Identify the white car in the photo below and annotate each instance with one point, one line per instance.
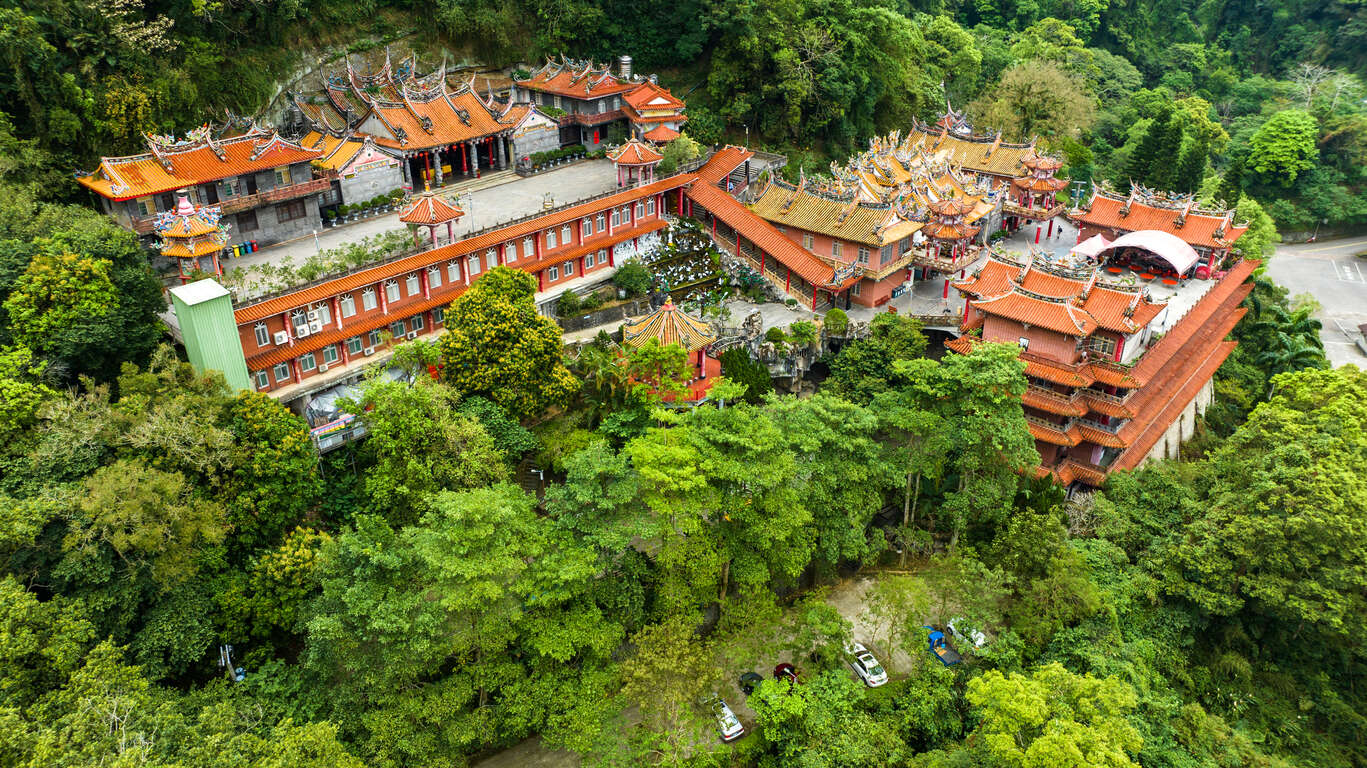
(865, 665)
(727, 722)
(959, 628)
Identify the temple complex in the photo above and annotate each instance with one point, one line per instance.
(1209, 232)
(588, 98)
(262, 184)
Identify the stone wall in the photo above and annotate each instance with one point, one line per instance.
(362, 186)
(1182, 429)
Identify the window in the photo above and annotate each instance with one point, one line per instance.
(453, 271)
(282, 176)
(650, 207)
(412, 284)
(626, 214)
(616, 218)
(566, 234)
(569, 268)
(353, 345)
(347, 304)
(324, 314)
(854, 289)
(586, 228)
(475, 266)
(282, 372)
(307, 362)
(330, 354)
(231, 187)
(807, 240)
(1102, 346)
(294, 209)
(368, 299)
(491, 257)
(906, 243)
(836, 247)
(886, 256)
(438, 315)
(372, 339)
(246, 221)
(863, 255)
(602, 256)
(553, 273)
(418, 322)
(602, 222)
(262, 380)
(146, 206)
(263, 336)
(300, 323)
(434, 277)
(640, 209)
(528, 247)
(589, 262)
(550, 238)
(398, 328)
(391, 290)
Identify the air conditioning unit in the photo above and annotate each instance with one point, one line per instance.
(313, 315)
(322, 367)
(368, 351)
(411, 335)
(282, 337)
(301, 331)
(315, 326)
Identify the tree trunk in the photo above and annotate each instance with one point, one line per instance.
(725, 580)
(906, 519)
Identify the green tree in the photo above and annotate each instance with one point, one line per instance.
(1191, 167)
(678, 152)
(738, 366)
(497, 346)
(669, 672)
(1147, 155)
(22, 391)
(273, 481)
(1036, 99)
(821, 723)
(1052, 717)
(1284, 146)
(865, 367)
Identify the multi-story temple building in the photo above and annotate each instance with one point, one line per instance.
(588, 98)
(1113, 380)
(1210, 232)
(263, 185)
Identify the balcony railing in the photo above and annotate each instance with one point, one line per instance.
(590, 118)
(943, 264)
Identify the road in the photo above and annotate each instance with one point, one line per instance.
(1331, 272)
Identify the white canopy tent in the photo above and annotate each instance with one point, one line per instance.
(1168, 247)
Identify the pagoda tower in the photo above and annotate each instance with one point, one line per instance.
(190, 234)
(431, 210)
(951, 236)
(1034, 195)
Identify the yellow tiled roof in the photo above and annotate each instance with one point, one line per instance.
(857, 222)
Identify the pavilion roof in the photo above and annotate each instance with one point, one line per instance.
(649, 95)
(669, 325)
(660, 134)
(635, 152)
(576, 79)
(982, 154)
(876, 225)
(197, 159)
(1075, 304)
(430, 209)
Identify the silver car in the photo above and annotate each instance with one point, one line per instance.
(727, 722)
(865, 665)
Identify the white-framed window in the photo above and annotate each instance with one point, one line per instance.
(282, 372)
(368, 299)
(1024, 342)
(453, 271)
(529, 247)
(353, 345)
(398, 328)
(906, 244)
(863, 255)
(475, 266)
(491, 257)
(550, 239)
(567, 234)
(146, 206)
(330, 355)
(299, 321)
(347, 304)
(307, 362)
(510, 251)
(586, 228)
(616, 218)
(324, 311)
(373, 338)
(391, 290)
(263, 380)
(836, 248)
(553, 273)
(438, 315)
(854, 289)
(602, 222)
(418, 322)
(807, 241)
(602, 256)
(626, 214)
(589, 261)
(263, 336)
(434, 277)
(569, 268)
(412, 284)
(640, 209)
(650, 207)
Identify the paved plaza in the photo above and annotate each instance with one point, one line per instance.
(1332, 273)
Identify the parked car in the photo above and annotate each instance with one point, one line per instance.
(959, 628)
(865, 665)
(786, 671)
(727, 722)
(749, 682)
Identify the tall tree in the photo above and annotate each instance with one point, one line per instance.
(1036, 99)
(1284, 146)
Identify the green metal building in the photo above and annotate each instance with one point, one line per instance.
(204, 311)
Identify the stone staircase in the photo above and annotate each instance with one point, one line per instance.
(485, 181)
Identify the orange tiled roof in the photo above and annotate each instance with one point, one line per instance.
(190, 249)
(635, 152)
(430, 209)
(648, 95)
(577, 80)
(944, 231)
(450, 119)
(1062, 316)
(193, 162)
(1197, 230)
(660, 134)
(721, 164)
(1115, 310)
(294, 299)
(1039, 185)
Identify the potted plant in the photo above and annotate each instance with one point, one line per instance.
(349, 211)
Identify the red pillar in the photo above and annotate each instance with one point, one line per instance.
(788, 281)
(612, 262)
(814, 298)
(1051, 228)
(464, 160)
(1037, 231)
(427, 165)
(541, 280)
(945, 295)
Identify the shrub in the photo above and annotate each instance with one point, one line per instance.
(802, 333)
(634, 278)
(790, 302)
(837, 322)
(738, 366)
(568, 303)
(776, 335)
(591, 302)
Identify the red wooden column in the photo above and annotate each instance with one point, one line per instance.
(612, 262)
(541, 280)
(422, 281)
(336, 312)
